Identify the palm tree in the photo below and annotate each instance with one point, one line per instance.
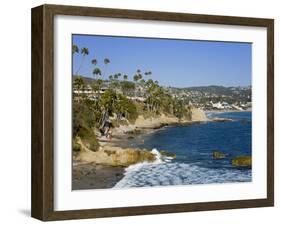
(106, 61)
(151, 94)
(136, 77)
(78, 84)
(125, 77)
(113, 80)
(96, 86)
(116, 76)
(75, 49)
(84, 52)
(94, 61)
(97, 72)
(147, 73)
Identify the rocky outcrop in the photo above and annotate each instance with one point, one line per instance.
(198, 115)
(244, 161)
(155, 122)
(114, 156)
(125, 129)
(168, 154)
(222, 120)
(219, 155)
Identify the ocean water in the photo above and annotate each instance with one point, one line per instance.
(194, 145)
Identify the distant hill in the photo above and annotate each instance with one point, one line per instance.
(203, 94)
(217, 90)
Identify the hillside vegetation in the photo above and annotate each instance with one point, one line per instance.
(117, 101)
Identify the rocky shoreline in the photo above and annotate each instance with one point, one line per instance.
(105, 167)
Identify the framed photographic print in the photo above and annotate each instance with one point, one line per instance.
(141, 112)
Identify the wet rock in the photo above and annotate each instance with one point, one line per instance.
(168, 154)
(222, 120)
(219, 155)
(244, 161)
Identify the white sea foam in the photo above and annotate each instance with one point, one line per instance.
(158, 156)
(138, 166)
(162, 172)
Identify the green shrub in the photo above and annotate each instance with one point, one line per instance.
(76, 147)
(89, 138)
(92, 143)
(83, 116)
(83, 124)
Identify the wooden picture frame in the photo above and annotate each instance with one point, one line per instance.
(42, 203)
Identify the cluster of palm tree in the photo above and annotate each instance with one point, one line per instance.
(97, 71)
(158, 100)
(137, 76)
(106, 103)
(113, 102)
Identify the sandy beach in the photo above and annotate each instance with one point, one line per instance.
(93, 176)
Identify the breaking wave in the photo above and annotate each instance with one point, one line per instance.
(163, 172)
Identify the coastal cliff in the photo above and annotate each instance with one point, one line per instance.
(109, 154)
(198, 115)
(155, 122)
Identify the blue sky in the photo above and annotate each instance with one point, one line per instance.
(178, 63)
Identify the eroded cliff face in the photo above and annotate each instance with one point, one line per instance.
(155, 122)
(198, 115)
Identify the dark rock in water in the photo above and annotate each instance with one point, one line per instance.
(130, 137)
(244, 161)
(222, 120)
(219, 155)
(168, 154)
